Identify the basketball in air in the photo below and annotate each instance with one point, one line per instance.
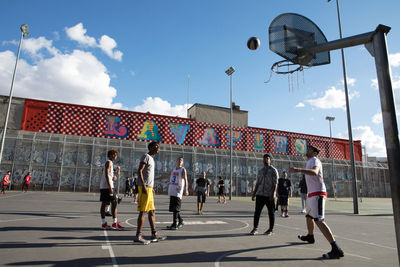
(253, 43)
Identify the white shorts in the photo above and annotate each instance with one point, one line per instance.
(315, 207)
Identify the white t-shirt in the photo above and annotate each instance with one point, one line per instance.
(315, 183)
(176, 183)
(103, 181)
(148, 172)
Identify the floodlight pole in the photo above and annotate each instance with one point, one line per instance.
(330, 119)
(229, 72)
(376, 44)
(349, 129)
(24, 32)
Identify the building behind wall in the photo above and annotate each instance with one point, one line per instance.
(65, 145)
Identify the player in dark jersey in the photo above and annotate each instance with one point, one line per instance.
(221, 189)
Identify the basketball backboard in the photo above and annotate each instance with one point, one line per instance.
(290, 34)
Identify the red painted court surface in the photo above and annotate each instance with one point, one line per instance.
(63, 229)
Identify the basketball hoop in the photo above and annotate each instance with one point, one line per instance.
(277, 67)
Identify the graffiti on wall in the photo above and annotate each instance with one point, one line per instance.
(236, 136)
(113, 127)
(258, 142)
(149, 131)
(179, 131)
(300, 146)
(280, 144)
(210, 137)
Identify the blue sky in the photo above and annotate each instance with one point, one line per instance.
(138, 55)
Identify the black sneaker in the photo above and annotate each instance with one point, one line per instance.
(180, 224)
(172, 227)
(308, 238)
(333, 254)
(253, 232)
(156, 237)
(268, 232)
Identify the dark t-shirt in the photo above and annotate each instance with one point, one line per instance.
(202, 184)
(222, 185)
(284, 187)
(303, 186)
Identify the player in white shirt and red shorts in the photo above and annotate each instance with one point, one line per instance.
(315, 205)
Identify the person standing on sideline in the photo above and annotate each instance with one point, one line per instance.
(316, 203)
(127, 187)
(264, 193)
(177, 183)
(107, 193)
(284, 191)
(221, 189)
(26, 182)
(202, 188)
(145, 182)
(303, 193)
(5, 182)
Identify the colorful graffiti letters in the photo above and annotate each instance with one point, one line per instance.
(210, 138)
(149, 131)
(280, 144)
(301, 146)
(113, 127)
(236, 136)
(179, 131)
(258, 141)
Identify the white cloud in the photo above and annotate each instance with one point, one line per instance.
(394, 59)
(375, 144)
(300, 105)
(34, 45)
(377, 118)
(157, 105)
(332, 98)
(350, 81)
(78, 77)
(106, 43)
(374, 83)
(78, 33)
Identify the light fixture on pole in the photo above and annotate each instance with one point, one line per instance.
(330, 119)
(229, 72)
(351, 145)
(24, 32)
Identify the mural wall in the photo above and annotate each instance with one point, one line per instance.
(68, 119)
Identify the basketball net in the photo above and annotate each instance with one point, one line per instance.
(289, 68)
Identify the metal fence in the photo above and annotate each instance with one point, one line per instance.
(75, 163)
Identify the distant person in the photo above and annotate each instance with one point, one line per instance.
(316, 203)
(5, 182)
(303, 193)
(26, 182)
(145, 182)
(107, 193)
(221, 189)
(178, 185)
(202, 188)
(134, 188)
(284, 191)
(127, 187)
(264, 193)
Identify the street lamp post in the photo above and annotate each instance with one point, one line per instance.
(330, 119)
(24, 32)
(229, 72)
(353, 165)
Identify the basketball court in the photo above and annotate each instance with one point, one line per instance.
(63, 229)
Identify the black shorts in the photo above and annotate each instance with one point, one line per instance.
(283, 200)
(201, 197)
(174, 204)
(221, 191)
(106, 197)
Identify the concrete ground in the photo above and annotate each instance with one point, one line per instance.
(63, 229)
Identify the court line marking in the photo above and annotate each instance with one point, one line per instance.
(218, 260)
(345, 238)
(246, 225)
(16, 195)
(110, 250)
